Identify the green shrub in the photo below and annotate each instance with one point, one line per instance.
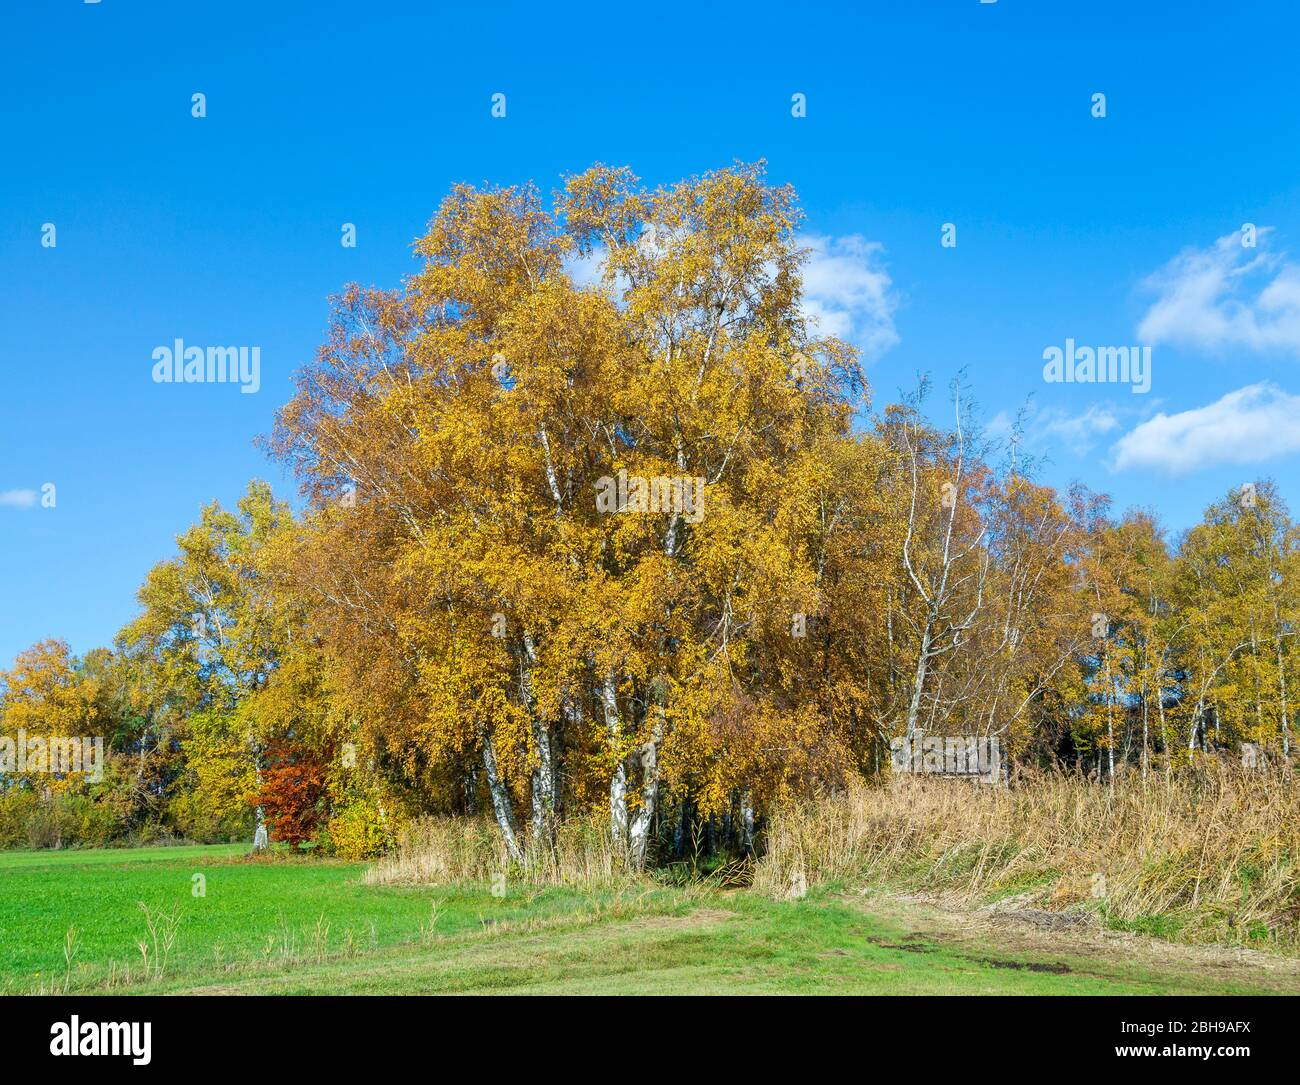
(30, 819)
(189, 816)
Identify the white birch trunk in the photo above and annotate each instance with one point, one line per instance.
(543, 775)
(501, 805)
(618, 826)
(261, 839)
(639, 833)
(747, 822)
(918, 682)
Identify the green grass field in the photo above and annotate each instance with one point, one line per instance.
(310, 926)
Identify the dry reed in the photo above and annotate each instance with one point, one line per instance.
(436, 850)
(1209, 855)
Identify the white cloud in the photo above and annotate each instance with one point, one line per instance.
(1226, 295)
(1042, 426)
(1252, 424)
(586, 270)
(999, 426)
(847, 292)
(1078, 432)
(18, 499)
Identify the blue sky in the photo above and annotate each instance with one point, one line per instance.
(225, 229)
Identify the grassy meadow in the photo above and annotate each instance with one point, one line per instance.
(73, 920)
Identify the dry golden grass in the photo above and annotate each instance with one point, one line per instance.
(447, 849)
(1212, 855)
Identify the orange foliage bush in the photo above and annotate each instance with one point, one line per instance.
(292, 794)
